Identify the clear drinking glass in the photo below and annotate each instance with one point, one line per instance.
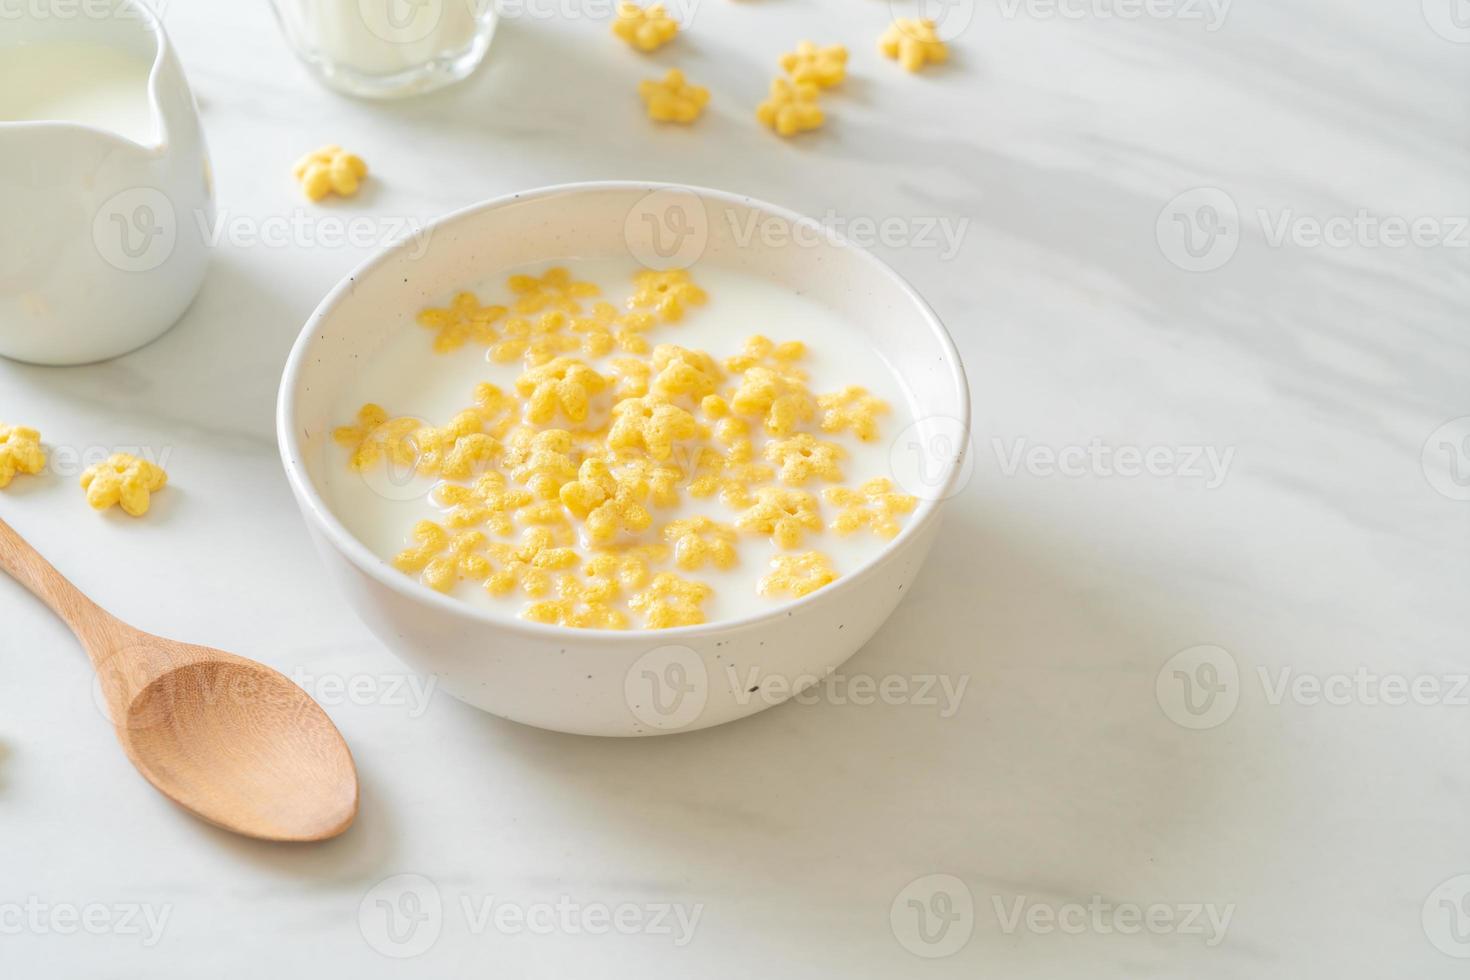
(388, 48)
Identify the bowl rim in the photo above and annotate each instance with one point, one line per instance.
(325, 521)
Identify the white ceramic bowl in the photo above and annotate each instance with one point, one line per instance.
(636, 682)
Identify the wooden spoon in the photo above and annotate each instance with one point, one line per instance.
(230, 740)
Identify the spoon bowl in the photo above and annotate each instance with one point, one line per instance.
(232, 741)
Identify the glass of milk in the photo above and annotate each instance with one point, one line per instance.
(388, 48)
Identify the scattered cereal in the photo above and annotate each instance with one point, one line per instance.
(914, 42)
(462, 320)
(698, 540)
(125, 480)
(783, 514)
(811, 65)
(798, 575)
(556, 290)
(329, 170)
(645, 28)
(673, 99)
(852, 408)
(671, 601)
(20, 452)
(442, 559)
(803, 456)
(667, 293)
(792, 108)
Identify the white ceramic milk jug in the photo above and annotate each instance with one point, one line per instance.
(105, 187)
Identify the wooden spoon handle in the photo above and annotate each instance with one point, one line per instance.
(26, 566)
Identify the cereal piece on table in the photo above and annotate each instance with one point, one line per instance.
(671, 601)
(329, 170)
(125, 480)
(650, 423)
(781, 402)
(852, 408)
(20, 452)
(667, 293)
(645, 28)
(811, 65)
(673, 99)
(798, 575)
(529, 564)
(792, 108)
(489, 501)
(563, 384)
(698, 540)
(442, 560)
(555, 290)
(785, 515)
(875, 505)
(607, 502)
(804, 456)
(914, 42)
(462, 320)
(541, 461)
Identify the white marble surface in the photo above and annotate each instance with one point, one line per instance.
(1322, 829)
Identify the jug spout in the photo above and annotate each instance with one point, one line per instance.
(107, 208)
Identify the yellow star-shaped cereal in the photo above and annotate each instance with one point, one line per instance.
(454, 450)
(563, 384)
(673, 99)
(441, 559)
(875, 505)
(798, 575)
(914, 42)
(803, 456)
(666, 292)
(698, 540)
(762, 351)
(671, 601)
(645, 28)
(606, 502)
(541, 461)
(554, 290)
(605, 329)
(684, 372)
(20, 452)
(792, 108)
(811, 65)
(329, 170)
(464, 319)
(784, 515)
(852, 408)
(780, 401)
(125, 480)
(489, 501)
(650, 423)
(539, 340)
(731, 474)
(530, 563)
(376, 435)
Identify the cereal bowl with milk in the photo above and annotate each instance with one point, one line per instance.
(595, 456)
